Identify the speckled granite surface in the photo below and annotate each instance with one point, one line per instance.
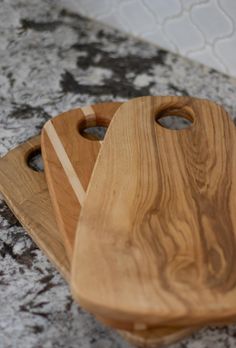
(50, 61)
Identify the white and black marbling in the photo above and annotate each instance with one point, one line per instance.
(50, 61)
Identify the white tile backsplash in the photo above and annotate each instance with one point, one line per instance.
(137, 17)
(161, 9)
(211, 21)
(203, 30)
(184, 34)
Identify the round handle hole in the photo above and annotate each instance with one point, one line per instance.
(93, 128)
(175, 119)
(35, 160)
(96, 133)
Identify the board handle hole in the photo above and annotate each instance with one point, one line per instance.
(175, 118)
(94, 129)
(34, 160)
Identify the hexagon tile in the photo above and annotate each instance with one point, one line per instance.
(202, 30)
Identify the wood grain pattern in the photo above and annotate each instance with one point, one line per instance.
(27, 196)
(25, 192)
(69, 159)
(157, 233)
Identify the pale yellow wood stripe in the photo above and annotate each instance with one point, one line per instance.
(89, 113)
(87, 110)
(65, 162)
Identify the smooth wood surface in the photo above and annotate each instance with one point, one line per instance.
(157, 232)
(155, 338)
(25, 192)
(69, 159)
(27, 195)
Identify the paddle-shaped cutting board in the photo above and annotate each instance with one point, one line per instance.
(25, 192)
(157, 232)
(69, 159)
(27, 196)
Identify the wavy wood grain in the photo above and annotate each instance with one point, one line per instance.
(157, 233)
(27, 196)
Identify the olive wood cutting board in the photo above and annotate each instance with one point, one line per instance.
(27, 196)
(69, 158)
(157, 231)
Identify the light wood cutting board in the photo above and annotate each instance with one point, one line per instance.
(157, 232)
(27, 196)
(69, 159)
(25, 192)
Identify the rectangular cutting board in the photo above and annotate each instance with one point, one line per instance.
(157, 231)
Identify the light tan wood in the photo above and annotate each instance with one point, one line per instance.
(69, 159)
(157, 232)
(148, 338)
(26, 193)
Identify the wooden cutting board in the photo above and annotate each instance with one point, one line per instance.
(157, 232)
(27, 196)
(25, 192)
(69, 159)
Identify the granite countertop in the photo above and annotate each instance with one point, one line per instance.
(52, 60)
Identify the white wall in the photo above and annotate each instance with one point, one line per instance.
(203, 30)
